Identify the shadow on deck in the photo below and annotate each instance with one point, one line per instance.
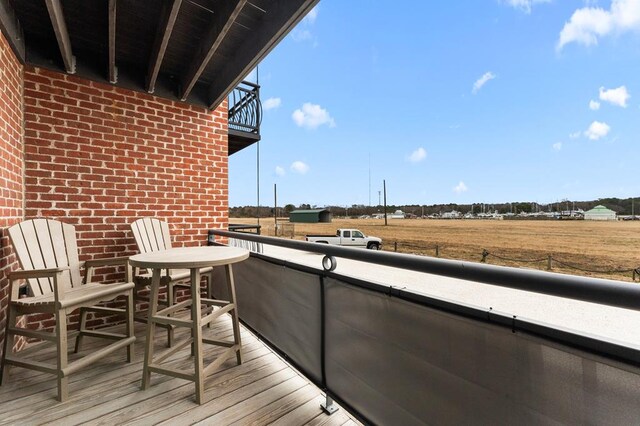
(263, 390)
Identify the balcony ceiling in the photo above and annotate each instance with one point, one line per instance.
(196, 51)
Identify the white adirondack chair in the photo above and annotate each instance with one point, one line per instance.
(48, 255)
(151, 235)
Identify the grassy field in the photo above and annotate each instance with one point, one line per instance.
(585, 244)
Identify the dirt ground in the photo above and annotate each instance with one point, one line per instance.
(582, 246)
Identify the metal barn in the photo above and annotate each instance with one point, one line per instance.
(310, 216)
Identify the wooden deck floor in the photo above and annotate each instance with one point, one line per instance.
(263, 390)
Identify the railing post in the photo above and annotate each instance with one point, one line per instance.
(395, 246)
(437, 251)
(485, 253)
(549, 263)
(328, 406)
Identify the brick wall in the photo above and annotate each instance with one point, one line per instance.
(11, 165)
(99, 157)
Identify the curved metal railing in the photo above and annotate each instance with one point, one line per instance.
(245, 108)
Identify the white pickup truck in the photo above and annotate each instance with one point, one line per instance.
(348, 238)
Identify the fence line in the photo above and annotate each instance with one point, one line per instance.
(549, 259)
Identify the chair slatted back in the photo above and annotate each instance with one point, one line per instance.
(151, 234)
(46, 243)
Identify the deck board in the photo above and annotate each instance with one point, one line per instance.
(263, 390)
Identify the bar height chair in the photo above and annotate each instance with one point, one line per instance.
(48, 255)
(152, 235)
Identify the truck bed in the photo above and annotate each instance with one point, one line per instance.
(321, 235)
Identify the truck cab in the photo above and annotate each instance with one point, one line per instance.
(348, 238)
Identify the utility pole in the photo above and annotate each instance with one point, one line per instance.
(275, 205)
(379, 199)
(384, 187)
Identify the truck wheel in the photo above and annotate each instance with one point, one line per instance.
(373, 246)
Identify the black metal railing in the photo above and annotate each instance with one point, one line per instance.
(245, 109)
(249, 229)
(253, 246)
(595, 290)
(393, 356)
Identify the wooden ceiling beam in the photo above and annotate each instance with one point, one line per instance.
(62, 34)
(282, 16)
(113, 71)
(168, 20)
(222, 21)
(11, 29)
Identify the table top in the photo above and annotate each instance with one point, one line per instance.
(189, 257)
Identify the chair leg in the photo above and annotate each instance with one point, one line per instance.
(210, 285)
(8, 338)
(130, 331)
(61, 340)
(210, 291)
(81, 328)
(171, 297)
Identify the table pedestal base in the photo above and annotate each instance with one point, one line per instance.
(197, 321)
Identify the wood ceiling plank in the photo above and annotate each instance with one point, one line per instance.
(113, 71)
(163, 35)
(62, 34)
(222, 21)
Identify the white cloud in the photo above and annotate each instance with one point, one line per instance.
(417, 155)
(574, 135)
(557, 146)
(271, 103)
(312, 116)
(311, 16)
(460, 188)
(524, 5)
(482, 81)
(588, 24)
(301, 35)
(597, 130)
(280, 171)
(302, 32)
(594, 105)
(618, 96)
(299, 167)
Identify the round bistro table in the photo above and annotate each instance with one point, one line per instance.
(192, 258)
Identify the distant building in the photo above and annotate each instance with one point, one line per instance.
(310, 216)
(600, 213)
(453, 214)
(398, 214)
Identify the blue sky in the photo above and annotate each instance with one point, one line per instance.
(462, 101)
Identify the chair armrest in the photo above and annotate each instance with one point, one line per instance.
(110, 261)
(36, 273)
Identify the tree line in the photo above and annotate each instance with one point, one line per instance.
(622, 206)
